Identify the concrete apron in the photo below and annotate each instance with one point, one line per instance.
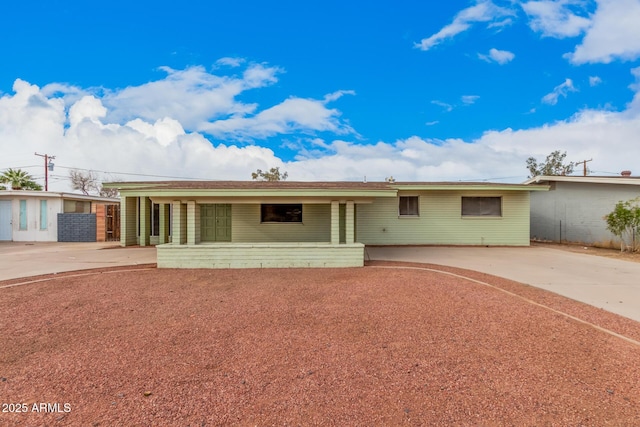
(610, 284)
(24, 259)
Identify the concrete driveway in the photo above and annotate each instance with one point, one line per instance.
(23, 259)
(606, 283)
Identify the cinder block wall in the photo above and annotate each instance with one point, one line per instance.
(76, 227)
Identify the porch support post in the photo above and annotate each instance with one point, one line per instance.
(193, 223)
(164, 223)
(128, 215)
(145, 221)
(335, 222)
(178, 235)
(350, 236)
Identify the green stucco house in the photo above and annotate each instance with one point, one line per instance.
(253, 224)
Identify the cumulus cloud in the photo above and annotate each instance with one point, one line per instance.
(192, 96)
(594, 81)
(293, 114)
(614, 33)
(561, 90)
(499, 56)
(482, 11)
(82, 135)
(557, 18)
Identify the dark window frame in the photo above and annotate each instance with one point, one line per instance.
(406, 209)
(481, 206)
(279, 213)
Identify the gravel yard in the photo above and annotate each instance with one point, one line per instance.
(368, 346)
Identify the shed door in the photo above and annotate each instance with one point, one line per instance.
(5, 220)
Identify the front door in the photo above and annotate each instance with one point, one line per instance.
(223, 223)
(215, 223)
(5, 220)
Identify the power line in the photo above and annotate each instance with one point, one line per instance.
(133, 174)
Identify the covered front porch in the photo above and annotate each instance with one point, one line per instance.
(246, 224)
(241, 233)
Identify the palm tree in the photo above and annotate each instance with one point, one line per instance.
(19, 180)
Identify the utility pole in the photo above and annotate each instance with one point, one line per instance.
(584, 166)
(48, 165)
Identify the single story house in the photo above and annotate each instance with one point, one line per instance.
(237, 224)
(47, 216)
(573, 209)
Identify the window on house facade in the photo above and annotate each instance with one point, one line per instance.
(482, 206)
(76, 206)
(281, 213)
(155, 220)
(23, 214)
(43, 214)
(408, 206)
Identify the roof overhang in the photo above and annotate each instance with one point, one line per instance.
(618, 180)
(55, 195)
(469, 187)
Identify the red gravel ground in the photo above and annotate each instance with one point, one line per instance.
(356, 347)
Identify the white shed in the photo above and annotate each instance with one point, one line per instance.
(36, 216)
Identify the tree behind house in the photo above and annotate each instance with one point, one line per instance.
(272, 175)
(19, 180)
(87, 182)
(553, 165)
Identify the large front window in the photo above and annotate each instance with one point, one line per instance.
(281, 213)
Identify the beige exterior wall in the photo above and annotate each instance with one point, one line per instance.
(315, 226)
(440, 221)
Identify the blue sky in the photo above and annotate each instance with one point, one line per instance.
(458, 90)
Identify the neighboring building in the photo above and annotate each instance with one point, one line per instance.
(573, 209)
(235, 224)
(46, 216)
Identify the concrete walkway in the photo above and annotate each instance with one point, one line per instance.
(23, 259)
(610, 284)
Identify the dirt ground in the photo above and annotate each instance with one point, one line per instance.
(592, 250)
(388, 344)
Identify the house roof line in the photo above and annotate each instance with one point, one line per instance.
(311, 186)
(56, 195)
(622, 180)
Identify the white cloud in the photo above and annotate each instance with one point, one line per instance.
(230, 62)
(482, 11)
(557, 18)
(337, 95)
(192, 96)
(293, 114)
(82, 135)
(500, 56)
(614, 33)
(444, 105)
(469, 99)
(560, 90)
(594, 81)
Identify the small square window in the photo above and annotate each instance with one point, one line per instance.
(408, 206)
